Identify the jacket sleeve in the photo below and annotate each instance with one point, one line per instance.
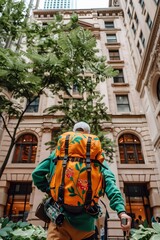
(112, 191)
(42, 172)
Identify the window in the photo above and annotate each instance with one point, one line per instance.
(114, 55)
(111, 38)
(158, 89)
(33, 107)
(133, 28)
(131, 3)
(139, 48)
(149, 21)
(25, 149)
(120, 77)
(75, 89)
(141, 2)
(137, 202)
(130, 149)
(136, 19)
(18, 206)
(122, 103)
(129, 13)
(156, 1)
(142, 38)
(109, 24)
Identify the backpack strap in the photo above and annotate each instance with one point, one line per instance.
(99, 163)
(88, 199)
(61, 187)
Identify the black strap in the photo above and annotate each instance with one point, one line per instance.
(88, 198)
(61, 187)
(99, 163)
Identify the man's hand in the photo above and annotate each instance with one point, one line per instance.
(125, 222)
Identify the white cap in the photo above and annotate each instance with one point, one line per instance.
(83, 125)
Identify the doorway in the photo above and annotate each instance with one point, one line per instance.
(17, 207)
(137, 204)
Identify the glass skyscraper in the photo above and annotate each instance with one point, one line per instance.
(59, 4)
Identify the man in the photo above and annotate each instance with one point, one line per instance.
(79, 226)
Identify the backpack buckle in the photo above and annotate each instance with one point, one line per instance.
(65, 159)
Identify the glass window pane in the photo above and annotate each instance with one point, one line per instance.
(114, 55)
(120, 77)
(25, 149)
(111, 38)
(18, 206)
(33, 107)
(130, 150)
(109, 24)
(122, 99)
(128, 138)
(123, 108)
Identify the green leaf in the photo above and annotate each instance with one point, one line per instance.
(71, 190)
(3, 233)
(5, 222)
(19, 232)
(24, 224)
(77, 139)
(155, 237)
(156, 226)
(77, 167)
(72, 194)
(83, 169)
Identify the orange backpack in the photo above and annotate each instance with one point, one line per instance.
(77, 181)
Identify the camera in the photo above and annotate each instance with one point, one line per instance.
(52, 210)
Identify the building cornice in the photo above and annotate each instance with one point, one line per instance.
(99, 12)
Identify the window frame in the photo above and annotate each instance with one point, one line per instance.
(33, 105)
(139, 48)
(22, 146)
(130, 149)
(134, 28)
(141, 2)
(123, 104)
(23, 191)
(113, 56)
(149, 21)
(137, 194)
(120, 77)
(136, 18)
(113, 39)
(110, 24)
(156, 2)
(142, 38)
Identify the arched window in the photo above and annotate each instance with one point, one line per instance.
(25, 149)
(158, 89)
(130, 149)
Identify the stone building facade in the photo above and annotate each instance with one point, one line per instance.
(133, 101)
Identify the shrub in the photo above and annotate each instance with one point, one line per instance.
(146, 233)
(20, 230)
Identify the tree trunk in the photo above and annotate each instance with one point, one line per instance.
(7, 157)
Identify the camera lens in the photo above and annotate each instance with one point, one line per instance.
(59, 219)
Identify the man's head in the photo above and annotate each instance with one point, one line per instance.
(82, 126)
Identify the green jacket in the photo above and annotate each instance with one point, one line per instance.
(83, 221)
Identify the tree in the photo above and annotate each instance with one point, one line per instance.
(89, 108)
(12, 15)
(57, 57)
